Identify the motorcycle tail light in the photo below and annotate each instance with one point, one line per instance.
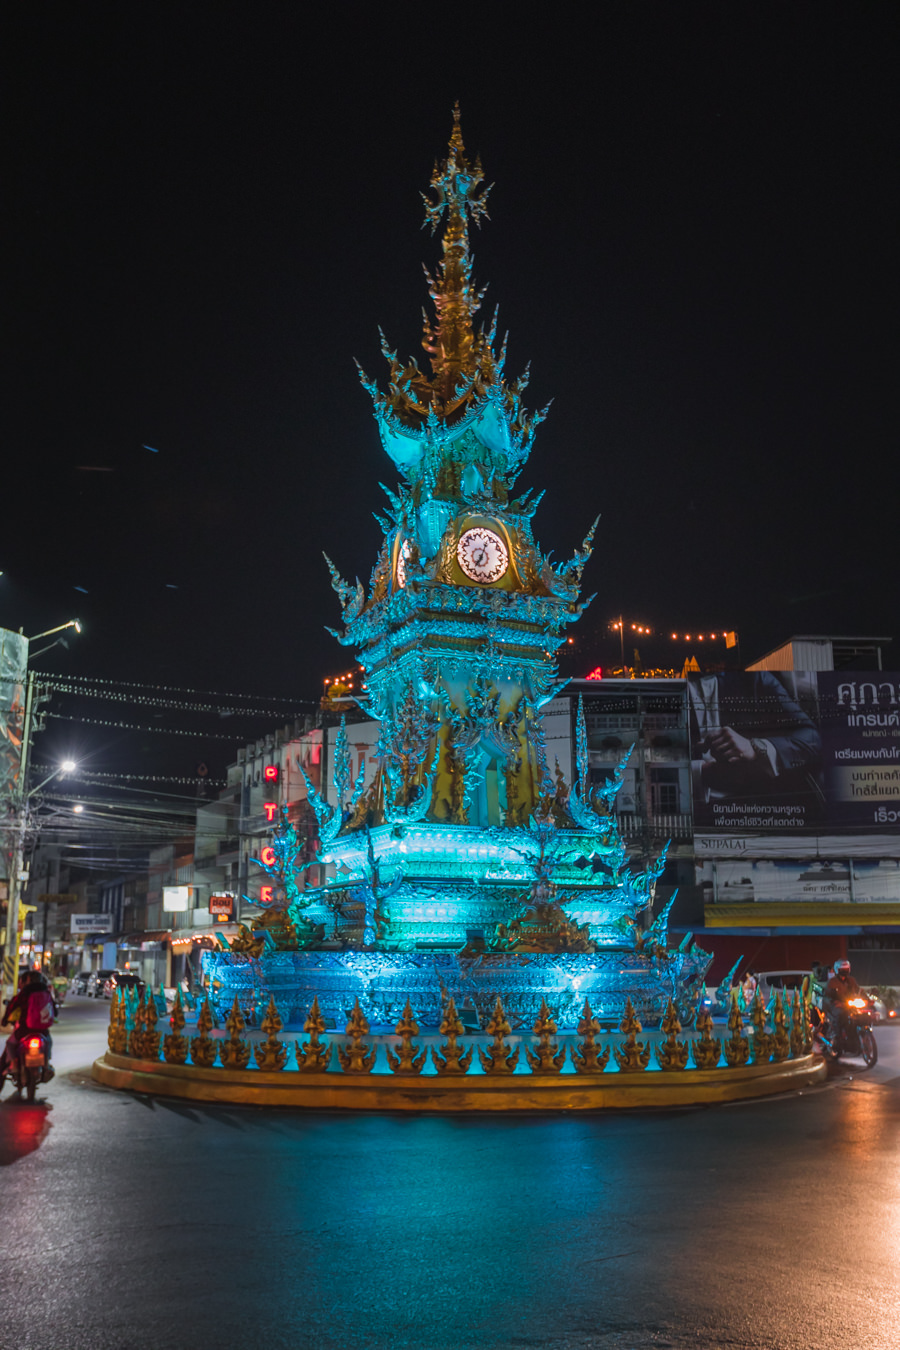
(34, 1044)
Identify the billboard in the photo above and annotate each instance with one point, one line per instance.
(91, 923)
(784, 755)
(13, 672)
(176, 899)
(810, 881)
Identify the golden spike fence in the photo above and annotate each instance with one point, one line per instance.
(776, 1035)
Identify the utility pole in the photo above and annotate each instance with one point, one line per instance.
(20, 811)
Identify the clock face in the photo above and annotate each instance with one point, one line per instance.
(404, 553)
(482, 555)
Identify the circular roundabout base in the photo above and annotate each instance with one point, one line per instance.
(433, 1093)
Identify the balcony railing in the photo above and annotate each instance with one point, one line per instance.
(661, 825)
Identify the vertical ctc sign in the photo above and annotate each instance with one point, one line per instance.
(270, 810)
(270, 778)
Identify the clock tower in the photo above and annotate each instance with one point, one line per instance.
(466, 866)
(458, 631)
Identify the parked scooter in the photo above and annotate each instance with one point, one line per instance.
(854, 1035)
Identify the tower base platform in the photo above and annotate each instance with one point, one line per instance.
(436, 1093)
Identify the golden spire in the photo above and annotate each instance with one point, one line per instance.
(449, 341)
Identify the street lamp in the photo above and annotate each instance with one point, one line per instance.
(11, 949)
(60, 628)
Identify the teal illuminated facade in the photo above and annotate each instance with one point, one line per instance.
(467, 866)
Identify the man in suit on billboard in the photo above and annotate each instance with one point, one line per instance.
(750, 739)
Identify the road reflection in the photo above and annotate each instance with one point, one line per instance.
(23, 1129)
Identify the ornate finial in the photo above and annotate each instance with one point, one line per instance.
(136, 1036)
(357, 1055)
(272, 1054)
(466, 371)
(314, 1055)
(456, 185)
(499, 1056)
(737, 1047)
(548, 1057)
(762, 1038)
(673, 1053)
(118, 1028)
(203, 1048)
(175, 1045)
(588, 1057)
(410, 1057)
(454, 1059)
(781, 1040)
(634, 1055)
(797, 1025)
(235, 1052)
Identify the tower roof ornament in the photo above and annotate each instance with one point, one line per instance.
(458, 192)
(466, 389)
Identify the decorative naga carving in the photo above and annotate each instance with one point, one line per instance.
(632, 1056)
(175, 1045)
(548, 1057)
(673, 1053)
(706, 1048)
(587, 1057)
(272, 1054)
(356, 1055)
(737, 1046)
(452, 1059)
(410, 1058)
(313, 1056)
(204, 1049)
(499, 1057)
(235, 1052)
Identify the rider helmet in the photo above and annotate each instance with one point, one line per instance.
(842, 967)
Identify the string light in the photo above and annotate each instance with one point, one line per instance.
(132, 726)
(722, 635)
(98, 775)
(47, 676)
(141, 700)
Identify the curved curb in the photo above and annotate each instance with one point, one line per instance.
(476, 1092)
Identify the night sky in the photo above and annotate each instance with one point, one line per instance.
(210, 208)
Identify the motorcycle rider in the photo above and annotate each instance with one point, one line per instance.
(36, 1009)
(839, 988)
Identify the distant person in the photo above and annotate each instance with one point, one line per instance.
(749, 988)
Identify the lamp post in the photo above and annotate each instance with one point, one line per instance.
(18, 873)
(21, 798)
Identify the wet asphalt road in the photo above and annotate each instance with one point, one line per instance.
(130, 1223)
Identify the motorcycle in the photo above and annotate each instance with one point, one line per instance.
(854, 1035)
(31, 1064)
